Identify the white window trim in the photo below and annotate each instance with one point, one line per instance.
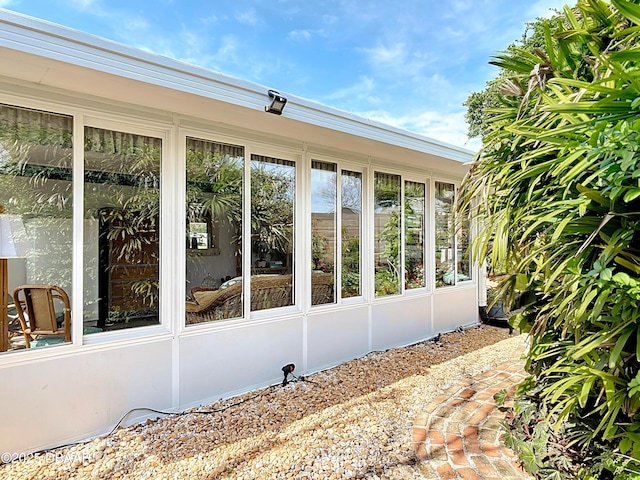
(427, 262)
(295, 156)
(472, 270)
(142, 126)
(90, 116)
(340, 166)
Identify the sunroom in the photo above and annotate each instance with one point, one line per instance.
(202, 242)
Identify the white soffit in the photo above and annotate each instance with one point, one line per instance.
(61, 57)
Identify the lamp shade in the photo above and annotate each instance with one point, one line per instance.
(13, 237)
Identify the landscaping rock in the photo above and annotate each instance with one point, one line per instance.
(353, 421)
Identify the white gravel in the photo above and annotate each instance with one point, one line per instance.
(353, 421)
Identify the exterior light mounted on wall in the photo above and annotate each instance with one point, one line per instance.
(277, 104)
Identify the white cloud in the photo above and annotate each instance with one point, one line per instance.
(542, 8)
(386, 54)
(450, 128)
(227, 49)
(328, 19)
(215, 59)
(135, 24)
(248, 17)
(361, 91)
(85, 4)
(399, 65)
(209, 20)
(303, 35)
(5, 3)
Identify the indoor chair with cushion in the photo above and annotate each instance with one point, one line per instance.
(267, 291)
(35, 305)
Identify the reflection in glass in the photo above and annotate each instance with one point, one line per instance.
(199, 235)
(36, 162)
(444, 196)
(387, 233)
(414, 215)
(272, 213)
(214, 230)
(323, 231)
(351, 193)
(463, 247)
(122, 228)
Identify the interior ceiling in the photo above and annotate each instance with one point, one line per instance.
(107, 87)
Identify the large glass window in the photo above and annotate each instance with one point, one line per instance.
(214, 230)
(445, 238)
(414, 234)
(272, 232)
(351, 199)
(121, 229)
(36, 229)
(387, 233)
(453, 262)
(323, 231)
(463, 247)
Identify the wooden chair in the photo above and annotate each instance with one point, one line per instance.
(35, 305)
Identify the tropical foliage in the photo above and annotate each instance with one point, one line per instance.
(272, 193)
(556, 192)
(214, 186)
(480, 104)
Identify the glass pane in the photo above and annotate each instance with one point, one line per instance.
(444, 234)
(387, 233)
(272, 213)
(323, 231)
(463, 246)
(351, 232)
(121, 221)
(36, 160)
(214, 229)
(414, 218)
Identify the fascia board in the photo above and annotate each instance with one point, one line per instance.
(45, 39)
(352, 124)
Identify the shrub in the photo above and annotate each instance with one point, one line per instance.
(556, 191)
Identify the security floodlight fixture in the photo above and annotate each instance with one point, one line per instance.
(277, 104)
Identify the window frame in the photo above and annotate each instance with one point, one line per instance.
(472, 276)
(336, 225)
(184, 134)
(385, 170)
(88, 115)
(173, 133)
(426, 247)
(156, 129)
(342, 164)
(290, 155)
(251, 147)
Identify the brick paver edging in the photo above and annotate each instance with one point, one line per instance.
(458, 434)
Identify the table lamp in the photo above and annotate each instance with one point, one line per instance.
(13, 244)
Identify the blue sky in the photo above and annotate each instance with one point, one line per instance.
(408, 63)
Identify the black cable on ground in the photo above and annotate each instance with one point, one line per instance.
(186, 412)
(302, 378)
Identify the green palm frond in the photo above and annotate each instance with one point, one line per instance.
(556, 194)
